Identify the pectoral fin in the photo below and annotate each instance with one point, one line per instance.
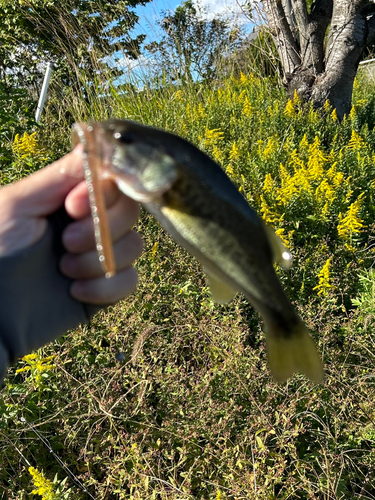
(281, 254)
(220, 291)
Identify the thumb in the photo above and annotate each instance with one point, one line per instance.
(44, 192)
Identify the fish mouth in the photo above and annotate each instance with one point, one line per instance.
(121, 162)
(129, 185)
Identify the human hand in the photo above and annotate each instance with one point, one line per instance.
(26, 204)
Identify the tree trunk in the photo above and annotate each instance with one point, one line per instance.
(346, 41)
(316, 73)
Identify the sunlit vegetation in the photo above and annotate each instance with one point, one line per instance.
(189, 410)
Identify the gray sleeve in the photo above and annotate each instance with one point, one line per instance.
(35, 305)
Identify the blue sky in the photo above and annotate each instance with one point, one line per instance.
(149, 13)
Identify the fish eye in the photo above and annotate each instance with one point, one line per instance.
(124, 138)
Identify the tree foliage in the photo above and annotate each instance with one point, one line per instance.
(76, 35)
(192, 46)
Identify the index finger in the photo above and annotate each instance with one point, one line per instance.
(77, 201)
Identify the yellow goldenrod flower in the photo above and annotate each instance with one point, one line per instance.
(201, 111)
(154, 250)
(313, 115)
(351, 223)
(241, 96)
(284, 174)
(304, 144)
(325, 210)
(332, 172)
(43, 486)
(301, 180)
(243, 79)
(270, 148)
(268, 213)
(234, 153)
(26, 146)
(332, 155)
(295, 161)
(289, 109)
(268, 184)
(286, 239)
(29, 357)
(314, 149)
(288, 144)
(324, 279)
(349, 193)
(37, 365)
(247, 109)
(211, 137)
(178, 96)
(218, 154)
(325, 191)
(327, 106)
(296, 98)
(334, 115)
(338, 179)
(289, 186)
(353, 113)
(356, 141)
(316, 160)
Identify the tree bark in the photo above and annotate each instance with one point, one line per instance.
(282, 34)
(316, 69)
(346, 41)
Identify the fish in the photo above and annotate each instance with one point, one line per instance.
(199, 206)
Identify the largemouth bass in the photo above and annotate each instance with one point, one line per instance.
(199, 206)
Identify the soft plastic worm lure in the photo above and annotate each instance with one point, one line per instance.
(92, 168)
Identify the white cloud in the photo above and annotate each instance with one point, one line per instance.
(127, 64)
(231, 8)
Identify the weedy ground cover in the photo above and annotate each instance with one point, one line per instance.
(191, 410)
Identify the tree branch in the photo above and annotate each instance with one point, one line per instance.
(287, 32)
(286, 43)
(319, 19)
(301, 14)
(312, 29)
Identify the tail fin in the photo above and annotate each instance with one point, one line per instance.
(293, 353)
